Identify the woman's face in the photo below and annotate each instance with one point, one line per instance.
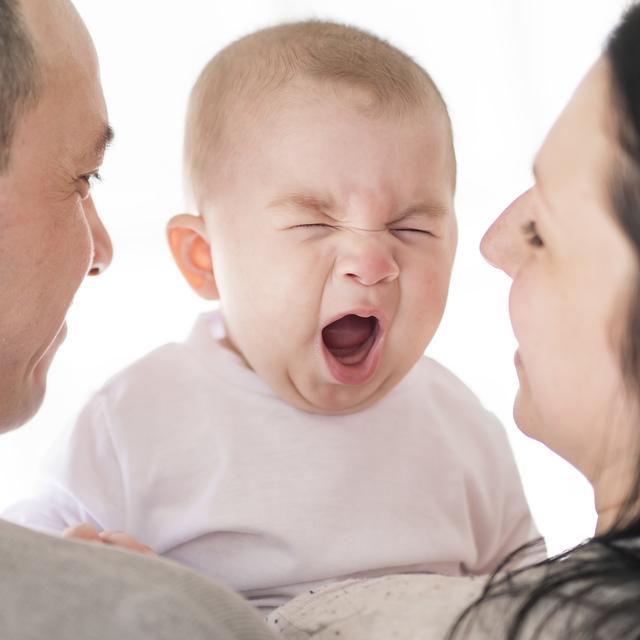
(573, 272)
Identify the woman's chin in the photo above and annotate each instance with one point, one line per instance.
(524, 414)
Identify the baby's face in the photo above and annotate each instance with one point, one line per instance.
(333, 239)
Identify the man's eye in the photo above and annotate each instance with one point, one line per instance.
(91, 178)
(83, 184)
(531, 233)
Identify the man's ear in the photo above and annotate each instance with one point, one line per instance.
(192, 253)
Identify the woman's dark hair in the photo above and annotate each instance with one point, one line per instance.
(592, 591)
(18, 74)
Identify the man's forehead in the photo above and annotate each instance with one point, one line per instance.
(58, 33)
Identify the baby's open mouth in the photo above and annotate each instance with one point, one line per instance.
(349, 339)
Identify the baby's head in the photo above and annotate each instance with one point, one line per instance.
(320, 161)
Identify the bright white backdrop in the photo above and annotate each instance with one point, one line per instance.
(505, 67)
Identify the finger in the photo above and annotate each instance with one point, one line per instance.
(83, 531)
(124, 540)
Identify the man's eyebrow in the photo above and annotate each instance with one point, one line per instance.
(94, 152)
(104, 140)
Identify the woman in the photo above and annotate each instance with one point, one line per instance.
(572, 247)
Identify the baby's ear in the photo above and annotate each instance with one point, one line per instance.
(192, 253)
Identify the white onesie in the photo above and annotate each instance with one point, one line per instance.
(191, 453)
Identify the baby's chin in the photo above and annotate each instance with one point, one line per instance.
(335, 399)
(318, 389)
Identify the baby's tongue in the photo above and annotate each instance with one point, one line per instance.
(349, 332)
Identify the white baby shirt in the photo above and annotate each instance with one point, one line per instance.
(191, 453)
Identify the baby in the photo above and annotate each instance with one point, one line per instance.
(299, 436)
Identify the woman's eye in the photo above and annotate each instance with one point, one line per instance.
(531, 233)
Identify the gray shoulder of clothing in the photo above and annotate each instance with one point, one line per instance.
(59, 590)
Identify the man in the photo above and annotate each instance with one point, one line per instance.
(53, 134)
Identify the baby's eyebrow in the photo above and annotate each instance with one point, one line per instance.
(301, 201)
(317, 204)
(422, 209)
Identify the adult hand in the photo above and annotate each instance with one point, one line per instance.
(88, 533)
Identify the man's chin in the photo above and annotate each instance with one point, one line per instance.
(33, 389)
(41, 368)
(23, 407)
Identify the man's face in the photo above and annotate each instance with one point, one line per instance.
(332, 243)
(50, 234)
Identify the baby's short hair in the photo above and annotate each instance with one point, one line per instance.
(249, 69)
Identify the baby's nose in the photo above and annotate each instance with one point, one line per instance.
(368, 261)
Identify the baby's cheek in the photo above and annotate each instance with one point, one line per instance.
(430, 287)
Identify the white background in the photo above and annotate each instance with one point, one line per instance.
(505, 67)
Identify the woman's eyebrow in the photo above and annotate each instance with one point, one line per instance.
(538, 183)
(536, 172)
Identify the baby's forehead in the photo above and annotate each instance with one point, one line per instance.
(308, 102)
(276, 70)
(314, 122)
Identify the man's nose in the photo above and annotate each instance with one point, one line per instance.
(367, 259)
(502, 245)
(102, 247)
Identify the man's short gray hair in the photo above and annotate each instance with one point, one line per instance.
(18, 74)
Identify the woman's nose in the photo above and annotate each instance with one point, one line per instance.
(368, 260)
(102, 247)
(502, 245)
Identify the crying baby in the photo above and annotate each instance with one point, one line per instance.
(299, 436)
